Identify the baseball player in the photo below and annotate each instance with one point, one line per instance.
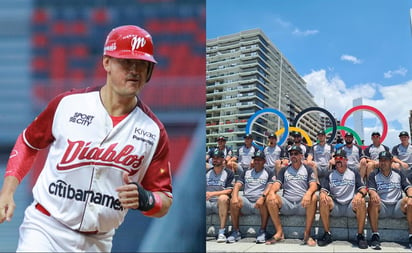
(402, 153)
(256, 184)
(221, 145)
(372, 152)
(322, 153)
(274, 154)
(299, 185)
(246, 152)
(307, 157)
(386, 187)
(219, 186)
(354, 154)
(342, 194)
(108, 153)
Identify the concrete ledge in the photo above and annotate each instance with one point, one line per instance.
(342, 228)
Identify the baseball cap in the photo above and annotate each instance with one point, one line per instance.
(321, 132)
(403, 133)
(385, 155)
(375, 133)
(272, 135)
(221, 138)
(295, 148)
(348, 134)
(259, 154)
(340, 152)
(296, 133)
(218, 153)
(248, 136)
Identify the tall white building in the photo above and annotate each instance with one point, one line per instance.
(245, 73)
(358, 119)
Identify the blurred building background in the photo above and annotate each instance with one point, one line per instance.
(48, 47)
(246, 73)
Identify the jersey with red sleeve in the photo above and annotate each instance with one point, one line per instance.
(88, 156)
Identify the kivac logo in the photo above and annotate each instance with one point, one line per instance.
(143, 135)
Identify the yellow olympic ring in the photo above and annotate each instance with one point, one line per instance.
(298, 129)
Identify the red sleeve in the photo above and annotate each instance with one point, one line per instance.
(20, 160)
(158, 176)
(38, 134)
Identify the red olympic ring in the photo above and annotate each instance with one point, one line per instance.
(371, 109)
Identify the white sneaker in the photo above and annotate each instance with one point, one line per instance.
(211, 231)
(221, 238)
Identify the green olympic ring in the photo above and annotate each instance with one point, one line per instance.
(355, 135)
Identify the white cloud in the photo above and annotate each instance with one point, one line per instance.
(332, 94)
(283, 23)
(350, 58)
(295, 31)
(401, 71)
(298, 32)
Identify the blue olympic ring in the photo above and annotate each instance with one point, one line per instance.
(257, 114)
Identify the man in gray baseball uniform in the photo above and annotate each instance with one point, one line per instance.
(256, 183)
(342, 195)
(274, 154)
(322, 153)
(354, 154)
(219, 186)
(299, 185)
(386, 186)
(246, 152)
(372, 151)
(402, 153)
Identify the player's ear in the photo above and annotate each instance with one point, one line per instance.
(105, 62)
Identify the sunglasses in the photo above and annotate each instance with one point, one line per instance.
(294, 153)
(339, 158)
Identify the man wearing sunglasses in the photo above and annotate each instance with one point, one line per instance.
(299, 184)
(342, 195)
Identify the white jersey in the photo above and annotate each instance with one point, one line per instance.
(88, 156)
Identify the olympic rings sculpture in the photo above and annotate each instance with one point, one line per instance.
(305, 135)
(284, 132)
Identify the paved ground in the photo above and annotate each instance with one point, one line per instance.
(295, 245)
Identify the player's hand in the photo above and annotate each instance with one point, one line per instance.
(306, 199)
(323, 197)
(374, 197)
(409, 202)
(236, 202)
(259, 203)
(208, 195)
(7, 207)
(128, 193)
(357, 201)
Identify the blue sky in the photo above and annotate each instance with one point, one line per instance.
(342, 49)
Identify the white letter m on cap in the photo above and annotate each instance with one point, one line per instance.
(138, 42)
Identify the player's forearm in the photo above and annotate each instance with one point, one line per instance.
(9, 185)
(166, 204)
(21, 159)
(313, 187)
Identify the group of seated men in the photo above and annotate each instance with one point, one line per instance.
(343, 177)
